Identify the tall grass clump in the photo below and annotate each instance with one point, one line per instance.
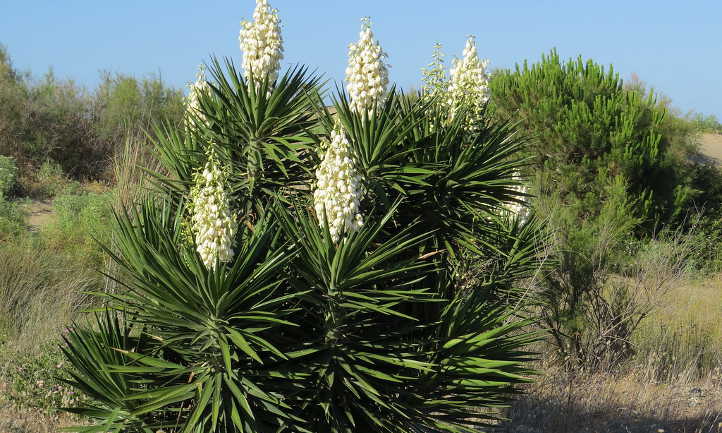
(239, 309)
(39, 294)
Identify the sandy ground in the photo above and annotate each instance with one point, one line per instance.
(711, 146)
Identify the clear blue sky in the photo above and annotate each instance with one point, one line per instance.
(673, 46)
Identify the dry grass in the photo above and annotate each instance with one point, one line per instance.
(683, 339)
(574, 403)
(130, 170)
(672, 384)
(39, 294)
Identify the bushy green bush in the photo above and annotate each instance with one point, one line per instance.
(47, 181)
(588, 129)
(46, 120)
(577, 309)
(11, 217)
(128, 105)
(708, 123)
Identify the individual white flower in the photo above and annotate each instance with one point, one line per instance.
(194, 91)
(338, 189)
(262, 43)
(212, 221)
(469, 83)
(367, 73)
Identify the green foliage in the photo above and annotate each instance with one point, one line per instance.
(58, 121)
(587, 128)
(128, 105)
(8, 175)
(48, 181)
(382, 331)
(708, 123)
(612, 165)
(11, 219)
(583, 320)
(83, 222)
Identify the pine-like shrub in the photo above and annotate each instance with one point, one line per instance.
(587, 130)
(405, 321)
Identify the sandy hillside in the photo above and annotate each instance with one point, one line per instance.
(711, 145)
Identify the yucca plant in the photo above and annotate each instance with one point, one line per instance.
(262, 293)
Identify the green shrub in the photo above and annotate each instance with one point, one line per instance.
(11, 219)
(126, 104)
(577, 309)
(708, 123)
(8, 175)
(82, 224)
(588, 129)
(47, 181)
(51, 120)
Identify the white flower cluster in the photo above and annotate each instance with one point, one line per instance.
(213, 224)
(469, 84)
(367, 74)
(262, 43)
(338, 188)
(194, 90)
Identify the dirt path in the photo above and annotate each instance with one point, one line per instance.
(40, 213)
